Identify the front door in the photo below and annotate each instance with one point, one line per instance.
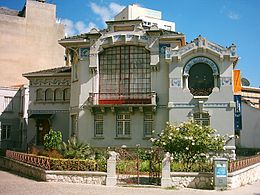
(43, 127)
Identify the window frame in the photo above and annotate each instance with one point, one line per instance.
(48, 92)
(98, 123)
(148, 121)
(8, 104)
(199, 120)
(126, 123)
(7, 131)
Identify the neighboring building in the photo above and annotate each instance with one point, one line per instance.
(48, 103)
(13, 118)
(150, 17)
(29, 41)
(251, 95)
(249, 135)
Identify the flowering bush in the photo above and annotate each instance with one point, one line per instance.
(189, 142)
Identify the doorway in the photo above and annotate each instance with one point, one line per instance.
(43, 127)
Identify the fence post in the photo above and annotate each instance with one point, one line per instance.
(111, 169)
(166, 171)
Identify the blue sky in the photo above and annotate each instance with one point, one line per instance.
(221, 21)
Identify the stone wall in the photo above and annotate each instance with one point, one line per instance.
(22, 168)
(192, 180)
(244, 176)
(84, 177)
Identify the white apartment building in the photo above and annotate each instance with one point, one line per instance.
(150, 17)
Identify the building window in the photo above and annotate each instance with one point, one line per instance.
(48, 95)
(201, 79)
(201, 118)
(58, 95)
(66, 94)
(98, 125)
(123, 125)
(74, 125)
(5, 132)
(125, 75)
(8, 104)
(39, 95)
(148, 124)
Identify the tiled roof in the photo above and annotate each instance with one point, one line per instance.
(49, 72)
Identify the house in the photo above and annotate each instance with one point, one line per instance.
(128, 80)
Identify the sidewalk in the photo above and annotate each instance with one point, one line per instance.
(11, 184)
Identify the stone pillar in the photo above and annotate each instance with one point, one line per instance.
(111, 169)
(185, 82)
(216, 89)
(166, 171)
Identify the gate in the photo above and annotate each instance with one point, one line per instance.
(138, 167)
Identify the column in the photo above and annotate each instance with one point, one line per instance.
(185, 81)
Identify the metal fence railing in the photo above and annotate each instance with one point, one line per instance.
(243, 163)
(48, 163)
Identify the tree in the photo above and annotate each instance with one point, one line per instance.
(52, 140)
(189, 142)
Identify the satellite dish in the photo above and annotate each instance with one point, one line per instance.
(245, 82)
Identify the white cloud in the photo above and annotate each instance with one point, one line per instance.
(229, 13)
(106, 13)
(83, 28)
(233, 16)
(79, 27)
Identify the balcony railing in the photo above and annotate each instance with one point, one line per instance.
(122, 98)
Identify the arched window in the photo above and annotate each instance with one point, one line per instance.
(201, 80)
(58, 95)
(48, 95)
(39, 95)
(124, 75)
(201, 76)
(66, 93)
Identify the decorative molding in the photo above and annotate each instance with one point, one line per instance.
(155, 68)
(216, 105)
(47, 111)
(175, 82)
(226, 81)
(162, 48)
(205, 105)
(50, 82)
(200, 59)
(84, 52)
(180, 105)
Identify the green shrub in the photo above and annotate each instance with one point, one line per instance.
(73, 165)
(52, 140)
(75, 149)
(195, 167)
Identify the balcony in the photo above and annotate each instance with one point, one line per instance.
(148, 98)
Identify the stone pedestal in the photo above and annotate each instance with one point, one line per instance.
(166, 171)
(111, 169)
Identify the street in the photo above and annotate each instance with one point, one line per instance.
(14, 184)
